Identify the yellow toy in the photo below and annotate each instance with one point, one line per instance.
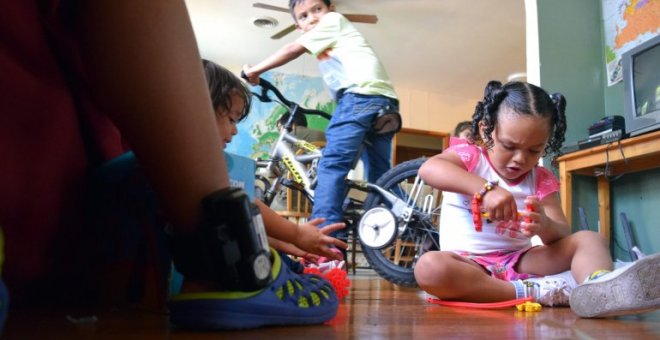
(529, 306)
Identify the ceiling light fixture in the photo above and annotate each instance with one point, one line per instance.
(265, 22)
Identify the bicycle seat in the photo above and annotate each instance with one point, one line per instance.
(388, 120)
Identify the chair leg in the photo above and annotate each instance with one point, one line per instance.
(353, 244)
(397, 251)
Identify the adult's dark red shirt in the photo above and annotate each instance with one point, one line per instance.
(51, 136)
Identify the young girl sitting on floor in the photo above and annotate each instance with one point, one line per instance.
(496, 198)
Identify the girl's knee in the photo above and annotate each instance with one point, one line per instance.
(422, 268)
(588, 237)
(431, 268)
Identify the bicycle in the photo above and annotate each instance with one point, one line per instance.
(395, 224)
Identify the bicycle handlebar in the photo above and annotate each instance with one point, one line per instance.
(266, 86)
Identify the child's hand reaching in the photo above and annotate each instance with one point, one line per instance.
(533, 217)
(500, 205)
(317, 241)
(290, 249)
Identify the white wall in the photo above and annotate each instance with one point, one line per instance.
(425, 110)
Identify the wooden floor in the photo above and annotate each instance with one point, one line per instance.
(373, 309)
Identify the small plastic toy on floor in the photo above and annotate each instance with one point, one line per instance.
(335, 273)
(336, 276)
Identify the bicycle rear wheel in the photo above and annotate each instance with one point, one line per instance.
(396, 261)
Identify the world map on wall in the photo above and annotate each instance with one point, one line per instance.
(627, 23)
(258, 132)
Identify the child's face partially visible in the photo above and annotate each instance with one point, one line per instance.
(518, 143)
(226, 121)
(309, 12)
(465, 134)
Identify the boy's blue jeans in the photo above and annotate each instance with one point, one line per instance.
(349, 127)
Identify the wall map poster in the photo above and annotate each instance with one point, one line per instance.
(627, 23)
(258, 132)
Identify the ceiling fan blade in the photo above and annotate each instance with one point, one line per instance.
(283, 32)
(363, 18)
(271, 7)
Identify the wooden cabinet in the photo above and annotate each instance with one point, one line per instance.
(625, 156)
(414, 143)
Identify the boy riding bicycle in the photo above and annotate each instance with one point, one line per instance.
(357, 81)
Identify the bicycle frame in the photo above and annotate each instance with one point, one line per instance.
(294, 164)
(283, 153)
(413, 211)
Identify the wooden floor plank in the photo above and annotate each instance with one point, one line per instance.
(374, 309)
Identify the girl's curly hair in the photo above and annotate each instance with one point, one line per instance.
(521, 98)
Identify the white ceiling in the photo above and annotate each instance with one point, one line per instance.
(449, 47)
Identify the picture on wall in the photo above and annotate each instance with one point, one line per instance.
(627, 23)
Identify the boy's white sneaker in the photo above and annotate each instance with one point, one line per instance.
(550, 291)
(632, 289)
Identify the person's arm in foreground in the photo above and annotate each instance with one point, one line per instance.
(144, 66)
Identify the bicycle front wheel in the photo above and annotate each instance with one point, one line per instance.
(396, 261)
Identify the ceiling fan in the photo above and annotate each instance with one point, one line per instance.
(361, 18)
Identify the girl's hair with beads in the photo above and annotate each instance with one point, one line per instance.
(521, 98)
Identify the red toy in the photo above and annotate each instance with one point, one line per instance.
(476, 216)
(337, 277)
(482, 305)
(529, 207)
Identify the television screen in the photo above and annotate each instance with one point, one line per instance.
(647, 81)
(641, 82)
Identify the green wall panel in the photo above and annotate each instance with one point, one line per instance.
(572, 63)
(572, 60)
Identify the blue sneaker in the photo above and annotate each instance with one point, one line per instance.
(291, 299)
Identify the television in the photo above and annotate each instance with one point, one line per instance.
(641, 83)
